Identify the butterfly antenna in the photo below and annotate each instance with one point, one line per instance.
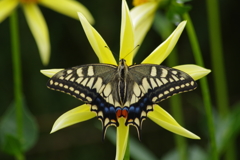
(115, 55)
(131, 51)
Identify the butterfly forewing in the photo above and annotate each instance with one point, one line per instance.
(160, 82)
(82, 81)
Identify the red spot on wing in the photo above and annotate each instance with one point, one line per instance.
(119, 113)
(122, 113)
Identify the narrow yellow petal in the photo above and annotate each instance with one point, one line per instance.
(165, 116)
(39, 30)
(140, 2)
(165, 120)
(142, 18)
(6, 7)
(76, 115)
(122, 138)
(69, 8)
(50, 72)
(196, 72)
(97, 42)
(164, 49)
(127, 35)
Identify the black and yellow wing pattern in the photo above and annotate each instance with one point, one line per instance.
(121, 91)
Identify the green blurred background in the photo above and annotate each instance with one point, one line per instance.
(70, 47)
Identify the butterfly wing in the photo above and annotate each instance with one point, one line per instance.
(144, 85)
(152, 84)
(93, 84)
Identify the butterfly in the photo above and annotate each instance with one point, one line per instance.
(121, 91)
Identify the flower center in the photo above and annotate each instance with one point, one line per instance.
(28, 1)
(139, 2)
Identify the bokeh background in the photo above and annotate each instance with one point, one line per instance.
(70, 47)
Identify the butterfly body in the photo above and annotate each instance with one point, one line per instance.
(121, 91)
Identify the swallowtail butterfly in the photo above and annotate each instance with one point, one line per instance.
(121, 91)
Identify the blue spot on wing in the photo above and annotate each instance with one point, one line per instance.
(135, 116)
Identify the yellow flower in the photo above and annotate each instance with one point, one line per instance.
(36, 20)
(140, 2)
(129, 39)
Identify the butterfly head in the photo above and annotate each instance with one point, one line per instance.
(122, 67)
(122, 62)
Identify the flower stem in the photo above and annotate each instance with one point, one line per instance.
(219, 76)
(217, 57)
(204, 85)
(17, 77)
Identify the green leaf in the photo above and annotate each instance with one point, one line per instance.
(8, 131)
(227, 128)
(194, 152)
(182, 1)
(176, 10)
(12, 145)
(162, 25)
(197, 153)
(139, 151)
